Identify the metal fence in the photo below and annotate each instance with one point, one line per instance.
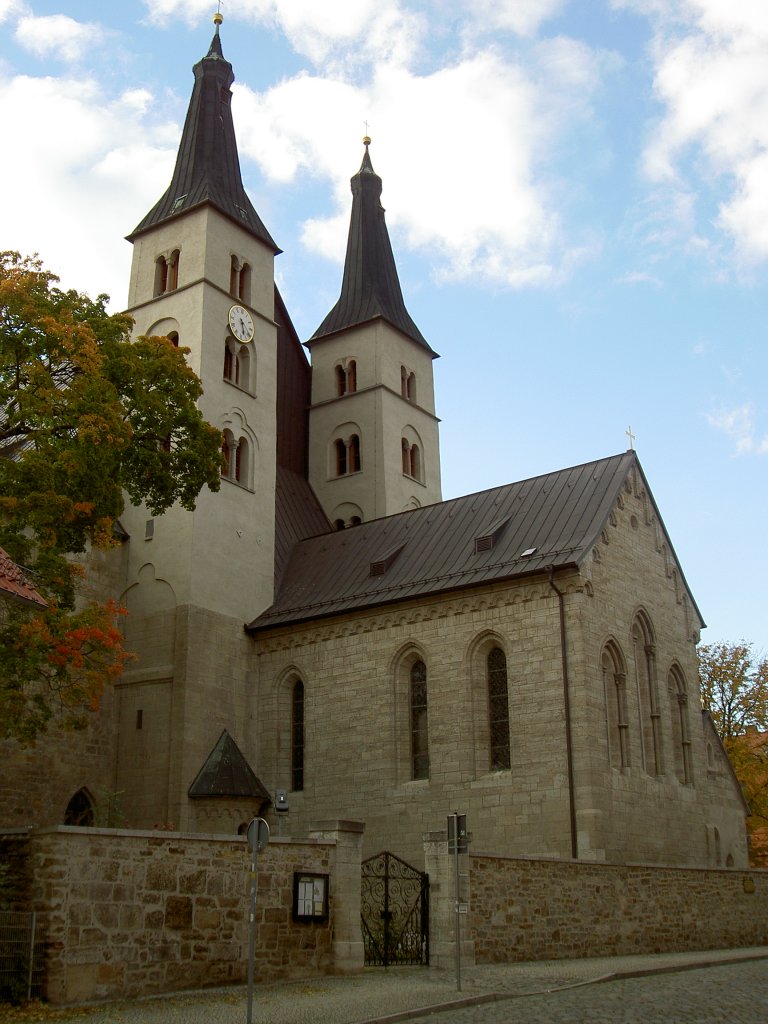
(21, 956)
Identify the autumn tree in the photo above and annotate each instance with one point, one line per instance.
(86, 418)
(735, 691)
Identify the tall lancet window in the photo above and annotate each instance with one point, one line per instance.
(498, 709)
(297, 736)
(419, 725)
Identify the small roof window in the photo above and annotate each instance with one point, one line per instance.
(380, 566)
(485, 541)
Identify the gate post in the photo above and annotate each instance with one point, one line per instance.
(440, 867)
(348, 954)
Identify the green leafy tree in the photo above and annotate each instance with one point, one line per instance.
(86, 417)
(734, 687)
(735, 691)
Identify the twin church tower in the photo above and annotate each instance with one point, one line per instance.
(307, 449)
(359, 425)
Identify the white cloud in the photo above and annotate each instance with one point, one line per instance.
(12, 8)
(59, 36)
(84, 181)
(711, 76)
(336, 31)
(738, 424)
(639, 277)
(523, 17)
(463, 153)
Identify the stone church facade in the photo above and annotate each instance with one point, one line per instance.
(327, 626)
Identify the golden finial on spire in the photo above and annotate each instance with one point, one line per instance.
(218, 16)
(366, 137)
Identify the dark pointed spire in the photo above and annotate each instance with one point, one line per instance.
(370, 287)
(207, 165)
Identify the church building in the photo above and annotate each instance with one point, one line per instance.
(328, 628)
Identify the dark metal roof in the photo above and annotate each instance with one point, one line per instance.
(298, 515)
(551, 520)
(294, 393)
(207, 165)
(559, 515)
(370, 287)
(226, 773)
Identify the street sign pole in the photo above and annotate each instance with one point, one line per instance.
(458, 896)
(258, 836)
(457, 843)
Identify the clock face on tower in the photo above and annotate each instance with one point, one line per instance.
(241, 323)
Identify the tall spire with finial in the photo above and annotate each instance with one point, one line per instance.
(207, 165)
(370, 286)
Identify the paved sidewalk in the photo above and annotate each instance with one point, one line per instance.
(379, 996)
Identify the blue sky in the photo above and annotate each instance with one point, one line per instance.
(576, 190)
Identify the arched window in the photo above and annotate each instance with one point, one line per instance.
(341, 457)
(243, 368)
(681, 739)
(419, 725)
(227, 443)
(406, 450)
(615, 694)
(173, 337)
(244, 292)
(229, 361)
(239, 279)
(167, 273)
(354, 454)
(241, 461)
(161, 276)
(411, 456)
(415, 462)
(339, 524)
(347, 455)
(498, 709)
(647, 691)
(355, 520)
(80, 810)
(297, 736)
(346, 377)
(407, 384)
(173, 270)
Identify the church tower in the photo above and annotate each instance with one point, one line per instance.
(202, 274)
(374, 447)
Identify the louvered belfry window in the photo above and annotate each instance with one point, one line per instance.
(498, 709)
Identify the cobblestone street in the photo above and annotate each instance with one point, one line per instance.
(709, 987)
(736, 994)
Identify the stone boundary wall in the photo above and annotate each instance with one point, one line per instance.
(524, 909)
(134, 913)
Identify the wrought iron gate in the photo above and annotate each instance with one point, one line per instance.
(394, 911)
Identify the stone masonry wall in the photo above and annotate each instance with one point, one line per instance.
(357, 724)
(528, 909)
(133, 913)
